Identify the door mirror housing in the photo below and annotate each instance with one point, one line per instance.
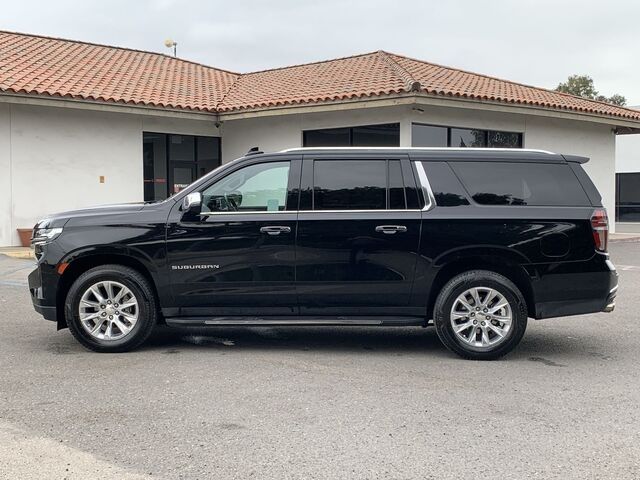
(192, 202)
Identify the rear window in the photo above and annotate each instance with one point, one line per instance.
(502, 183)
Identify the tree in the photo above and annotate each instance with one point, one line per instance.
(617, 99)
(582, 85)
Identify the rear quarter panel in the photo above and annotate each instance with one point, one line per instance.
(552, 245)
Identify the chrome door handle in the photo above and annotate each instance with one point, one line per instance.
(275, 230)
(390, 229)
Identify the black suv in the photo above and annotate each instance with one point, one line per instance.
(474, 241)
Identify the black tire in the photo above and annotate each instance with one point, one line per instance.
(479, 278)
(141, 289)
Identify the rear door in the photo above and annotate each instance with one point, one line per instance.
(358, 235)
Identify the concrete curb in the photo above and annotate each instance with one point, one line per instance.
(624, 238)
(22, 253)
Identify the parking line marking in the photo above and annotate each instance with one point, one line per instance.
(626, 268)
(13, 284)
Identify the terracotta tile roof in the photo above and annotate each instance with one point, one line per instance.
(361, 76)
(381, 73)
(62, 68)
(439, 80)
(32, 64)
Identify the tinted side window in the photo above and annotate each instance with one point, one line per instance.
(446, 188)
(543, 184)
(256, 188)
(349, 185)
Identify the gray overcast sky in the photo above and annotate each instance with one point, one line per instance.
(535, 42)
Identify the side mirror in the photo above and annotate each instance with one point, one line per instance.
(192, 202)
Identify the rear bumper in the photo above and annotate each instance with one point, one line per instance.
(576, 289)
(611, 300)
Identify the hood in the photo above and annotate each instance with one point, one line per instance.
(103, 212)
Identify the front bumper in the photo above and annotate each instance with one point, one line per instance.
(43, 301)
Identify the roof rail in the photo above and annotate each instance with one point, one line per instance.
(462, 149)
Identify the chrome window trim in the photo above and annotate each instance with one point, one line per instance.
(409, 210)
(257, 212)
(426, 187)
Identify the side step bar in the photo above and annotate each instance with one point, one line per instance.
(292, 321)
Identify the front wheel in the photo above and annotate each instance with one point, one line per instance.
(480, 315)
(111, 308)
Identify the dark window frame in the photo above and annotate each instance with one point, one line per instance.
(451, 127)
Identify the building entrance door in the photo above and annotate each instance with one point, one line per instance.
(181, 174)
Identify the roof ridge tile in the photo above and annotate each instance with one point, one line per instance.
(412, 85)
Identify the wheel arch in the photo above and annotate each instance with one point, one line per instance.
(81, 264)
(500, 264)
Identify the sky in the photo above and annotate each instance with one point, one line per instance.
(537, 42)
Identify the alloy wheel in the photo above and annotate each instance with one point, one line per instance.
(481, 317)
(108, 310)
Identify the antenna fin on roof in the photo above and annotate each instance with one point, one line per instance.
(254, 151)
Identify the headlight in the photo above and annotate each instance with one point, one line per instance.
(42, 236)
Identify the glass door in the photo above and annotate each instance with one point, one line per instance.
(181, 174)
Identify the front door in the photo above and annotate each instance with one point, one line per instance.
(358, 234)
(237, 257)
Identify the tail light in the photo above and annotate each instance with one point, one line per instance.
(600, 227)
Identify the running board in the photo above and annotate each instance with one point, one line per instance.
(292, 321)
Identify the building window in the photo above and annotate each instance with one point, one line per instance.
(429, 136)
(463, 137)
(385, 135)
(439, 136)
(504, 139)
(628, 197)
(171, 162)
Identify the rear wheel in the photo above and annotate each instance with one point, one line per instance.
(111, 308)
(480, 315)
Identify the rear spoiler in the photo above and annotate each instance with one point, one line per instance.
(575, 159)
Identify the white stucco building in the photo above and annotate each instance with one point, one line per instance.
(628, 182)
(84, 124)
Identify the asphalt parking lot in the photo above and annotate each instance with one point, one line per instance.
(321, 403)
